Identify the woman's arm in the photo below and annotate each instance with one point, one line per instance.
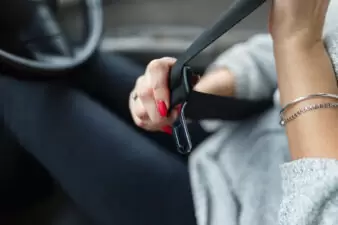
(310, 182)
(246, 70)
(304, 67)
(303, 72)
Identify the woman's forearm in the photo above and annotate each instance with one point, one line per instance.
(217, 82)
(245, 70)
(302, 72)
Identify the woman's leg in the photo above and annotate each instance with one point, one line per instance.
(112, 172)
(109, 79)
(22, 179)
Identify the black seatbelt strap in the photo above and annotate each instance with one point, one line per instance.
(197, 106)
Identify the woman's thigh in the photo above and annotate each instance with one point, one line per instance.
(22, 179)
(111, 171)
(109, 79)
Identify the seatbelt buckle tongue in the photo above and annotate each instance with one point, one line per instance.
(181, 133)
(180, 93)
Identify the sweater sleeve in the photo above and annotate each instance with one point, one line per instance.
(310, 192)
(252, 63)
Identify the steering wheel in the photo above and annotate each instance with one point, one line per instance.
(44, 27)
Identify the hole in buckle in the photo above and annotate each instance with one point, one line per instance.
(181, 133)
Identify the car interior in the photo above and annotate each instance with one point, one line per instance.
(141, 30)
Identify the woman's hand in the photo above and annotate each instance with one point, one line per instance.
(297, 23)
(149, 101)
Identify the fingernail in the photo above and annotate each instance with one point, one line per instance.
(168, 130)
(162, 108)
(179, 108)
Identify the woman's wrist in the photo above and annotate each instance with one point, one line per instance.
(297, 47)
(302, 71)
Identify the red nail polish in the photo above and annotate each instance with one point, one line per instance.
(168, 130)
(162, 108)
(179, 108)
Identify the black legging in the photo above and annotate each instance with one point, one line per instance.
(107, 167)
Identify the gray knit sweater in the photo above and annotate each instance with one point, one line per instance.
(242, 175)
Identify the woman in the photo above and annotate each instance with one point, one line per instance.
(114, 177)
(235, 175)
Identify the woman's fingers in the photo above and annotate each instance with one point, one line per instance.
(158, 73)
(142, 119)
(155, 92)
(140, 111)
(147, 98)
(144, 106)
(150, 106)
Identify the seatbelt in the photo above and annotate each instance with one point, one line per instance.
(196, 105)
